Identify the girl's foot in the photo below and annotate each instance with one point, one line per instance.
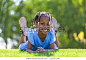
(23, 25)
(54, 22)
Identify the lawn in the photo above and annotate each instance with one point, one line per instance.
(56, 53)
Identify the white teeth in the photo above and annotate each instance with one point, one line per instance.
(45, 30)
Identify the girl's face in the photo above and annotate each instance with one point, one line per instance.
(44, 26)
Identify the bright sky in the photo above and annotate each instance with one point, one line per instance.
(17, 1)
(0, 30)
(9, 45)
(2, 43)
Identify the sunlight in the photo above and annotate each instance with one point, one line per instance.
(0, 30)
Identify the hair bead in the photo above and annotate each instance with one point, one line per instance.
(49, 22)
(35, 23)
(38, 23)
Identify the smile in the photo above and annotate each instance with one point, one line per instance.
(45, 30)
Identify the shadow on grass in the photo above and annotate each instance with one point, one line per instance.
(48, 54)
(42, 54)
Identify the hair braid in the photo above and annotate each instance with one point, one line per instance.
(39, 14)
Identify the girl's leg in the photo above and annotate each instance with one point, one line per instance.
(22, 39)
(23, 26)
(54, 22)
(57, 42)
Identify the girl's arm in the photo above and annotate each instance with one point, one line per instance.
(29, 46)
(40, 49)
(51, 46)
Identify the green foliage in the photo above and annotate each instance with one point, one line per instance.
(63, 40)
(57, 53)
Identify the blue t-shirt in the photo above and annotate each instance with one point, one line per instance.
(36, 42)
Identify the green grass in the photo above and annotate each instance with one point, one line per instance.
(57, 53)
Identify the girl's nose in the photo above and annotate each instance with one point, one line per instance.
(45, 26)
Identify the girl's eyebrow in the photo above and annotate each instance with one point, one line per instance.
(41, 22)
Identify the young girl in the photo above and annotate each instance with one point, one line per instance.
(43, 39)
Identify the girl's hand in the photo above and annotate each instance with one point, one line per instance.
(40, 49)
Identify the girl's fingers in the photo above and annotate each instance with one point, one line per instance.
(40, 49)
(37, 50)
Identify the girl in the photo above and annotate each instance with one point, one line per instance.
(43, 39)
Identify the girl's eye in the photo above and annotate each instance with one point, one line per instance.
(42, 23)
(48, 24)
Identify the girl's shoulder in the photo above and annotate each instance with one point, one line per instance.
(31, 31)
(51, 32)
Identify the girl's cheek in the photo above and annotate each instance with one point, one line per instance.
(41, 26)
(49, 29)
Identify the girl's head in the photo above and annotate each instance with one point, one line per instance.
(42, 21)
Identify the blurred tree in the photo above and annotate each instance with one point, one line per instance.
(5, 6)
(68, 13)
(9, 20)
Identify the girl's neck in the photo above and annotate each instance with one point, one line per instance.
(41, 36)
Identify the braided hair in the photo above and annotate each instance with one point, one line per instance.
(38, 16)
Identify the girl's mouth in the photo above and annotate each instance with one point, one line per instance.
(45, 30)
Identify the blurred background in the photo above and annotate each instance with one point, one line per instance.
(70, 16)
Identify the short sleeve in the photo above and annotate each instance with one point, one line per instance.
(30, 37)
(52, 39)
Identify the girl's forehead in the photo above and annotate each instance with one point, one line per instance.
(44, 18)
